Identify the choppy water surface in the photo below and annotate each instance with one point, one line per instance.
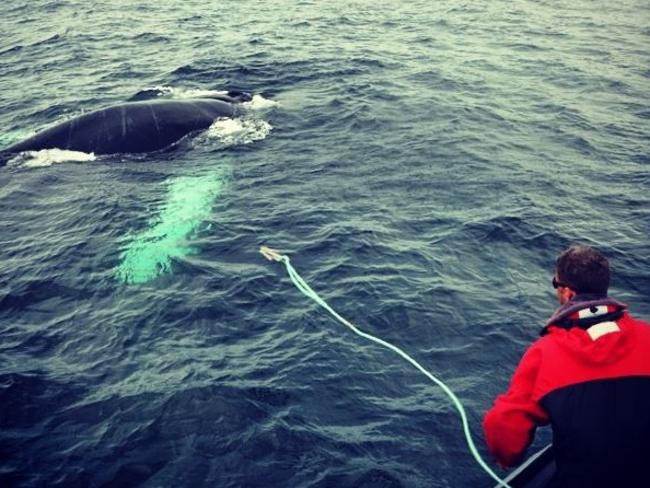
(422, 162)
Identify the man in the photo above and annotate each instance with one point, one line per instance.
(589, 377)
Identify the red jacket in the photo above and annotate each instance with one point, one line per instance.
(589, 376)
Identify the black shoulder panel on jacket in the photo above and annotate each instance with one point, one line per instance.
(601, 432)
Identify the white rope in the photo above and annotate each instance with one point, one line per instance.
(297, 280)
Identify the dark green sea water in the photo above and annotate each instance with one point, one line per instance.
(423, 163)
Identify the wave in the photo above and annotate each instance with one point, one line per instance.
(48, 157)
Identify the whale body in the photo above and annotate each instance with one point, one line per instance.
(133, 127)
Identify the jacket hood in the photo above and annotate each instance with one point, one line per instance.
(562, 316)
(593, 329)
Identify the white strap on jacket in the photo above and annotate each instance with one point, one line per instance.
(599, 330)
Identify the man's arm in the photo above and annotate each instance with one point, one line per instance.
(510, 424)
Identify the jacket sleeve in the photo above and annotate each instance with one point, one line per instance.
(510, 424)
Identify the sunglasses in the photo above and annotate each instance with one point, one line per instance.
(557, 284)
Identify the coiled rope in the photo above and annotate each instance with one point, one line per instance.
(273, 255)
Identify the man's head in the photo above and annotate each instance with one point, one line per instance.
(581, 270)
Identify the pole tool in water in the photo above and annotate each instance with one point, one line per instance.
(273, 255)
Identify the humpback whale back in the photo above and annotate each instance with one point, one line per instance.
(135, 127)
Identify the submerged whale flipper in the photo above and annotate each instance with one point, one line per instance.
(134, 127)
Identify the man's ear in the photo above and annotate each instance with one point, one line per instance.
(567, 293)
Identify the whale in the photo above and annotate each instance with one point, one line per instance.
(132, 127)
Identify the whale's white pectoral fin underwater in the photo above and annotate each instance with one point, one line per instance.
(133, 127)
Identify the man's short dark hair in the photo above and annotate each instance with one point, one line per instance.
(584, 270)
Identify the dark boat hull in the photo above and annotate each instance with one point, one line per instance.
(535, 472)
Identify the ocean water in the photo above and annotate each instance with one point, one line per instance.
(421, 162)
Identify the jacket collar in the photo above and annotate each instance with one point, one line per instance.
(561, 317)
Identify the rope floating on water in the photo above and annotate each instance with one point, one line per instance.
(273, 255)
